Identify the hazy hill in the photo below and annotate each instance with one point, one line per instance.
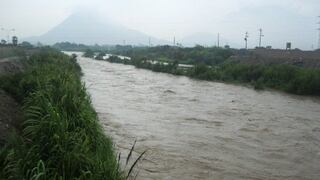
(90, 29)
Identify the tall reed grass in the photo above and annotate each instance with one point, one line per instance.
(60, 137)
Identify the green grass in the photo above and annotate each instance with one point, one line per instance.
(61, 137)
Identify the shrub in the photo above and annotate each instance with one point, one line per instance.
(61, 137)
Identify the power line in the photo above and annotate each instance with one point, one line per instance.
(218, 39)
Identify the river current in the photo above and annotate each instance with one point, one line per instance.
(195, 129)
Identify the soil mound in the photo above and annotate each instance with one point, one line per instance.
(10, 115)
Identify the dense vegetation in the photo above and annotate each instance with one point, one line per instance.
(67, 46)
(194, 55)
(89, 53)
(184, 55)
(287, 78)
(60, 137)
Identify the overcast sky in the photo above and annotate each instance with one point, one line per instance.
(281, 20)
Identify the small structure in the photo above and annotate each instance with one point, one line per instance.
(288, 46)
(14, 40)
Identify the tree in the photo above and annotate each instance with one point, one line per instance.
(3, 41)
(26, 44)
(89, 53)
(100, 56)
(15, 40)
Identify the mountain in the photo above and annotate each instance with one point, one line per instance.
(92, 29)
(204, 39)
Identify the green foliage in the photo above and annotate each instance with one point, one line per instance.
(171, 67)
(67, 46)
(11, 85)
(100, 56)
(194, 55)
(288, 78)
(88, 53)
(116, 59)
(61, 137)
(26, 44)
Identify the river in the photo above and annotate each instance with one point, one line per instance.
(195, 129)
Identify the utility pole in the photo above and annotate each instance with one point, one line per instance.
(149, 42)
(319, 35)
(246, 39)
(260, 36)
(1, 30)
(218, 39)
(174, 41)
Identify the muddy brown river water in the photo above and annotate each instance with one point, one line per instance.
(205, 130)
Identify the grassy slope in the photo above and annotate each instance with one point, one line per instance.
(60, 137)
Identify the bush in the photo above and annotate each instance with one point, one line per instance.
(89, 53)
(61, 137)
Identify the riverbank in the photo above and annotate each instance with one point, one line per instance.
(59, 136)
(287, 78)
(11, 62)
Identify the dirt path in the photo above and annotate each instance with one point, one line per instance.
(10, 110)
(10, 115)
(10, 66)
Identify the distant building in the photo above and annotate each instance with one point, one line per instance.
(227, 47)
(15, 40)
